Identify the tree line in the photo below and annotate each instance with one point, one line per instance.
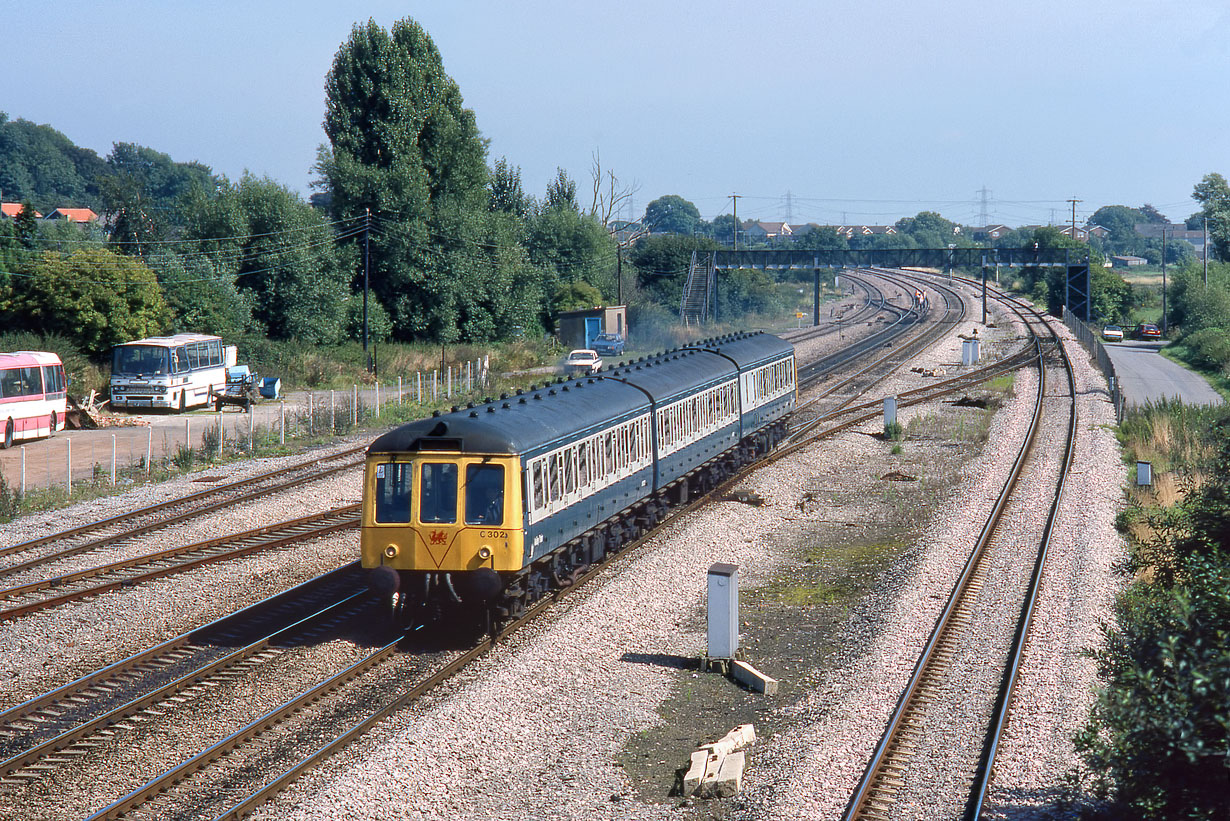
(452, 248)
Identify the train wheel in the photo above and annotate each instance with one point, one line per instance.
(8, 435)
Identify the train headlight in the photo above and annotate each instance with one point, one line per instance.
(391, 551)
(484, 553)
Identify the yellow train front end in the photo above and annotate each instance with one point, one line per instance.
(441, 524)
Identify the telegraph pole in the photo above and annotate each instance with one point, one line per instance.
(367, 230)
(1206, 252)
(735, 199)
(1164, 281)
(619, 272)
(1074, 201)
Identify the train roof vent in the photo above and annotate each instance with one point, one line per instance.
(521, 400)
(435, 413)
(564, 389)
(506, 406)
(551, 392)
(491, 408)
(440, 429)
(505, 396)
(473, 414)
(538, 396)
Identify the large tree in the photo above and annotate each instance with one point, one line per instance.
(1121, 222)
(279, 250)
(94, 296)
(1213, 194)
(143, 191)
(403, 148)
(40, 164)
(930, 230)
(673, 214)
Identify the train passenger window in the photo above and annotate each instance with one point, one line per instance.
(484, 495)
(539, 486)
(554, 486)
(583, 465)
(570, 470)
(393, 492)
(438, 493)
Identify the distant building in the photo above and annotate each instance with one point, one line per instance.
(761, 231)
(988, 232)
(1096, 230)
(73, 215)
(1173, 231)
(851, 231)
(1126, 261)
(12, 209)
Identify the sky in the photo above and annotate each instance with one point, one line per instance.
(827, 111)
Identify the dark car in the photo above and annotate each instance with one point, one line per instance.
(609, 344)
(1146, 331)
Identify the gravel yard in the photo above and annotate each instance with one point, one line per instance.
(591, 712)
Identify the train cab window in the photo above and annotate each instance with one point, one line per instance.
(484, 495)
(393, 492)
(438, 493)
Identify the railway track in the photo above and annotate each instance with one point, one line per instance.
(126, 526)
(211, 779)
(875, 304)
(963, 679)
(22, 600)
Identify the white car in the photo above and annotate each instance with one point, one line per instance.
(582, 361)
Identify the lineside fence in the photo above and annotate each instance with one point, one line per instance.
(1089, 338)
(139, 453)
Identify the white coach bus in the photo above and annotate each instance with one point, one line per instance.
(180, 371)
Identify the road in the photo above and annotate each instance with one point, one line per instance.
(1147, 376)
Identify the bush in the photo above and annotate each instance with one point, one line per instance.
(1208, 349)
(1158, 737)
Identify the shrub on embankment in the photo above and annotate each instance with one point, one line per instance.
(1157, 742)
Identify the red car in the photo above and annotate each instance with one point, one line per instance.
(1147, 331)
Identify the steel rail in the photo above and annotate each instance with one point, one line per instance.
(280, 782)
(910, 348)
(1003, 706)
(201, 760)
(219, 630)
(862, 802)
(57, 748)
(154, 509)
(880, 772)
(263, 538)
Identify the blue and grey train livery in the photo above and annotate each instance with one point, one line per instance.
(505, 500)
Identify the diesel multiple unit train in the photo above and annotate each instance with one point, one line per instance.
(499, 503)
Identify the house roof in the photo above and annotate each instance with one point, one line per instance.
(73, 214)
(12, 209)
